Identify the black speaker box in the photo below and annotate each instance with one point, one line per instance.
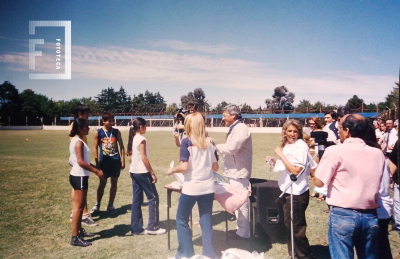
(264, 210)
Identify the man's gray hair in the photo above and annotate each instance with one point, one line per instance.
(233, 109)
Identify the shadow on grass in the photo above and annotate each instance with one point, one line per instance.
(118, 211)
(118, 230)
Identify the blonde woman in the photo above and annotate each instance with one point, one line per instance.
(292, 159)
(198, 161)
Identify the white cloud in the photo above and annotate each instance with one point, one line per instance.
(215, 72)
(180, 45)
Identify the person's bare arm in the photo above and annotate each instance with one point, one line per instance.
(392, 167)
(81, 162)
(146, 161)
(317, 182)
(95, 148)
(122, 149)
(294, 169)
(215, 166)
(181, 168)
(176, 137)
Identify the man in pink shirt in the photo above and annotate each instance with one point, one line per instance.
(353, 173)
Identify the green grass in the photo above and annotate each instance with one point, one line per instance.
(35, 203)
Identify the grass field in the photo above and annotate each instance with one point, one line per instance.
(35, 203)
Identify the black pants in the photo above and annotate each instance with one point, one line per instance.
(383, 239)
(300, 204)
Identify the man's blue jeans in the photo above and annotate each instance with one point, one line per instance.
(350, 228)
(186, 203)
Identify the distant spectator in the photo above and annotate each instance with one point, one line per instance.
(390, 138)
(380, 133)
(330, 126)
(179, 130)
(315, 124)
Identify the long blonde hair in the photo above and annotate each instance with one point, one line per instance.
(196, 130)
(288, 123)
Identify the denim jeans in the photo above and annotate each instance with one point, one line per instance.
(143, 183)
(350, 228)
(186, 203)
(396, 207)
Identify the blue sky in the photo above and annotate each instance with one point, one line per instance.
(237, 51)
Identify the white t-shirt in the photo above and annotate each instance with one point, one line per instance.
(199, 178)
(298, 154)
(331, 134)
(76, 169)
(384, 200)
(137, 165)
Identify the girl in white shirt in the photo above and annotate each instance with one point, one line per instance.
(78, 178)
(143, 180)
(198, 161)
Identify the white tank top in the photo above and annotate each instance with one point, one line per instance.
(76, 169)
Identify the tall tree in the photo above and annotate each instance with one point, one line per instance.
(391, 99)
(245, 108)
(355, 102)
(111, 100)
(107, 99)
(281, 98)
(10, 103)
(171, 109)
(302, 106)
(219, 108)
(198, 97)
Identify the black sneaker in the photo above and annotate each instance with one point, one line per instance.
(79, 241)
(89, 222)
(83, 233)
(111, 209)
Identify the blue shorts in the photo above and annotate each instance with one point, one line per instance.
(111, 167)
(79, 182)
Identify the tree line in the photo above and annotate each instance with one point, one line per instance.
(28, 107)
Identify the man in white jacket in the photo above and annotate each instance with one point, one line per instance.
(238, 151)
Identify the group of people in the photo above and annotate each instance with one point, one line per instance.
(109, 154)
(353, 170)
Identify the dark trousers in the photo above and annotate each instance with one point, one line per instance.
(383, 239)
(300, 204)
(143, 183)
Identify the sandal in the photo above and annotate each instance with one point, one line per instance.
(320, 198)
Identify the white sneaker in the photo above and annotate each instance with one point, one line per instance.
(159, 231)
(95, 210)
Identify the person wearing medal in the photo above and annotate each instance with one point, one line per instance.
(111, 161)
